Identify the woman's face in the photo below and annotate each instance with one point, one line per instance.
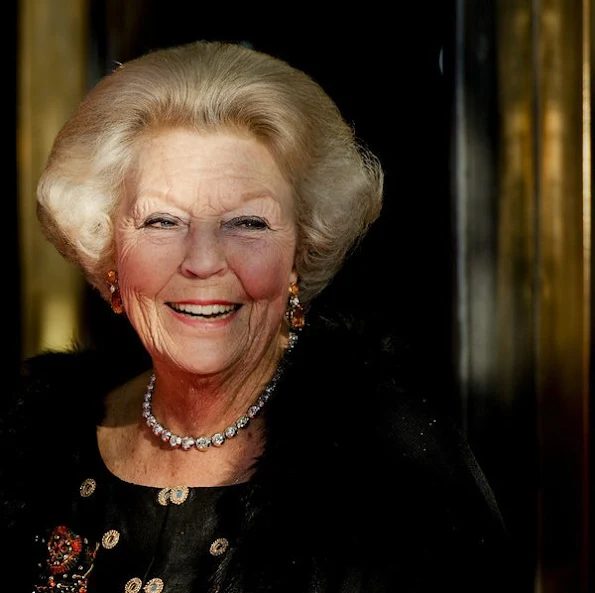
(205, 240)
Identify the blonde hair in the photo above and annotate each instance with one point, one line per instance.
(210, 86)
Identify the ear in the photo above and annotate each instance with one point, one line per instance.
(293, 277)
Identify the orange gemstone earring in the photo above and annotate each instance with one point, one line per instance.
(114, 288)
(295, 312)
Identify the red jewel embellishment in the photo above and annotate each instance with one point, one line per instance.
(64, 549)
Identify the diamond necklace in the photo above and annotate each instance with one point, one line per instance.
(203, 443)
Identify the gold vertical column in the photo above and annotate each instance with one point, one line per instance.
(516, 203)
(545, 75)
(563, 311)
(52, 66)
(517, 277)
(588, 65)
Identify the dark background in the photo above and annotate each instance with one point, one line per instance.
(383, 69)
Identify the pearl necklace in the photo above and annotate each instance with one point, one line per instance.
(203, 443)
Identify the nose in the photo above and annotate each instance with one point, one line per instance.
(203, 254)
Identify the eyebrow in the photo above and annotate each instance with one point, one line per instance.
(257, 195)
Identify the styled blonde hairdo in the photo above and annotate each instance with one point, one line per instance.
(209, 86)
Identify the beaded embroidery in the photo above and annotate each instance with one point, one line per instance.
(70, 560)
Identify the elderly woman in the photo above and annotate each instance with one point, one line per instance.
(210, 192)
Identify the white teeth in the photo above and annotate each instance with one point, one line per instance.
(204, 309)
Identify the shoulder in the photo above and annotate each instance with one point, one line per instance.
(67, 384)
(338, 340)
(351, 408)
(55, 390)
(48, 419)
(357, 452)
(48, 383)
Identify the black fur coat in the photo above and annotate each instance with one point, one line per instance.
(364, 486)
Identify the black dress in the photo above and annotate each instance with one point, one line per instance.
(122, 537)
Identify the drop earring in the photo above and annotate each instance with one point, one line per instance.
(295, 313)
(114, 288)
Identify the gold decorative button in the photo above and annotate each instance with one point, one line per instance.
(178, 494)
(110, 539)
(163, 497)
(154, 586)
(219, 547)
(175, 495)
(133, 585)
(88, 487)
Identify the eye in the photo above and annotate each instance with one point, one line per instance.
(249, 222)
(161, 221)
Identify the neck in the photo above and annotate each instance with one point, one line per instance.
(136, 453)
(203, 438)
(192, 404)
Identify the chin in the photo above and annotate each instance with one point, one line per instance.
(204, 359)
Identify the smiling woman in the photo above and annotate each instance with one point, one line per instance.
(210, 193)
(205, 246)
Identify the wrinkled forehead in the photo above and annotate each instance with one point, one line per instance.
(219, 170)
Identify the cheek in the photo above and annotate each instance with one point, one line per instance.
(135, 278)
(264, 276)
(143, 270)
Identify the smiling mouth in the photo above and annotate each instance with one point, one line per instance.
(210, 312)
